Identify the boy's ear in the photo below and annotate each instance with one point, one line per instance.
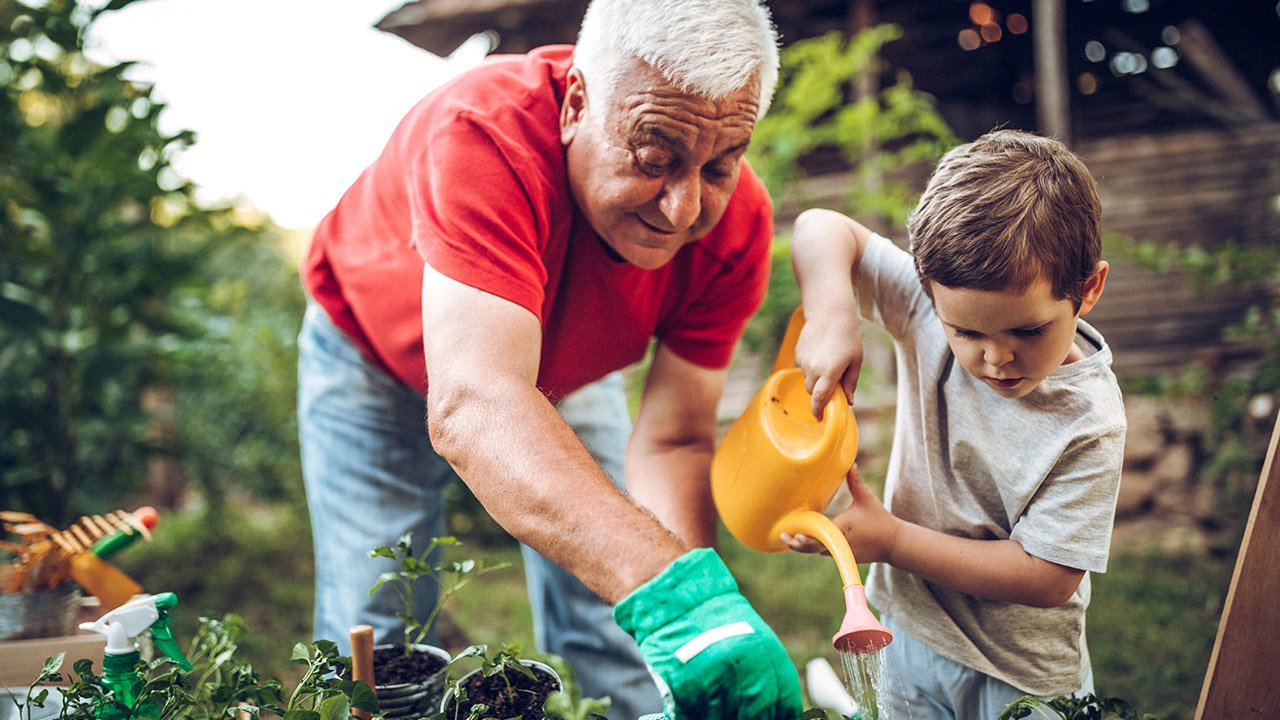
(1093, 287)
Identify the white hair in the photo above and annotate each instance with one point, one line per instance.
(708, 48)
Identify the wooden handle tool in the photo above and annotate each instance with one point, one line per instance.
(362, 659)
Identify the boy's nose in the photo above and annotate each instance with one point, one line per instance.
(997, 355)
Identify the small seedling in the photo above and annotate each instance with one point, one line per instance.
(503, 662)
(449, 577)
(568, 703)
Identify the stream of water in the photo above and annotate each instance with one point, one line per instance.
(864, 677)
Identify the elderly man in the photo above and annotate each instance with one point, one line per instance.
(529, 229)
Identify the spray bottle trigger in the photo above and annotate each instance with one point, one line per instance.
(162, 634)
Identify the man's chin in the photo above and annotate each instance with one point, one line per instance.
(648, 257)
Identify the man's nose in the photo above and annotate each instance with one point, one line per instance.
(681, 200)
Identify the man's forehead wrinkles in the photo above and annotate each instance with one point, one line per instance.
(676, 134)
(684, 134)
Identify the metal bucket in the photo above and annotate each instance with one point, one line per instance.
(40, 613)
(411, 700)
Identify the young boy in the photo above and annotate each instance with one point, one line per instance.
(1010, 428)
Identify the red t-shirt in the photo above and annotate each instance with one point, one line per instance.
(473, 181)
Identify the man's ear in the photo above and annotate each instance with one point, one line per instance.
(1093, 287)
(574, 106)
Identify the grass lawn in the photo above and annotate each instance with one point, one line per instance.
(1151, 627)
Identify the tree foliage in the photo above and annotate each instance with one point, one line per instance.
(105, 262)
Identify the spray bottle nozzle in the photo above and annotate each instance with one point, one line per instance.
(134, 618)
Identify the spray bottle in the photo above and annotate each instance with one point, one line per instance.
(120, 662)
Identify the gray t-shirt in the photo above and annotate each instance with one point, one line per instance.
(1043, 470)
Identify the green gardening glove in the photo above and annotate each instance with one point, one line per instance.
(714, 658)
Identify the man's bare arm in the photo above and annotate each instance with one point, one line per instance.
(487, 417)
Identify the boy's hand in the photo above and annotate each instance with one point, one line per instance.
(870, 529)
(829, 353)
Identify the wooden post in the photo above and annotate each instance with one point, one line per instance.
(362, 659)
(1049, 32)
(1241, 681)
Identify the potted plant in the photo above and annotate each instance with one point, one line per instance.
(1070, 707)
(409, 676)
(505, 685)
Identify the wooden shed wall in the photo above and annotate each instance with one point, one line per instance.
(1209, 188)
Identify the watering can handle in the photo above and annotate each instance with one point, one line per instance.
(787, 354)
(787, 350)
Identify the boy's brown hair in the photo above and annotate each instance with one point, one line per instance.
(1005, 209)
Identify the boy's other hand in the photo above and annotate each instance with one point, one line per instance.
(829, 353)
(868, 526)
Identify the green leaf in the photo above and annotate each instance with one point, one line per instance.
(334, 708)
(327, 648)
(301, 714)
(52, 665)
(362, 696)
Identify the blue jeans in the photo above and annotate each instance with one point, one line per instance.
(920, 684)
(371, 475)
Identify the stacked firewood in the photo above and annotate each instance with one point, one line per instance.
(41, 554)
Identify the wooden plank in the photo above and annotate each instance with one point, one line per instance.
(1053, 112)
(1241, 680)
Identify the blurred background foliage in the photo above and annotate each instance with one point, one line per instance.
(147, 355)
(143, 337)
(1242, 397)
(829, 112)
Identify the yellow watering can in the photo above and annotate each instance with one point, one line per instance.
(778, 467)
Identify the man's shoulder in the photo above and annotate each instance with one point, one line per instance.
(751, 195)
(508, 89)
(546, 66)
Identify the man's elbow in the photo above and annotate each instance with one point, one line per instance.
(443, 421)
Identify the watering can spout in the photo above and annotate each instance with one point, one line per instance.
(860, 632)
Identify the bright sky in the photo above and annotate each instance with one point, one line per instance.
(289, 99)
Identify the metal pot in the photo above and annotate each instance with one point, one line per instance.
(415, 699)
(40, 613)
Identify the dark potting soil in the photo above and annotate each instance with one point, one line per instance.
(392, 667)
(525, 700)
